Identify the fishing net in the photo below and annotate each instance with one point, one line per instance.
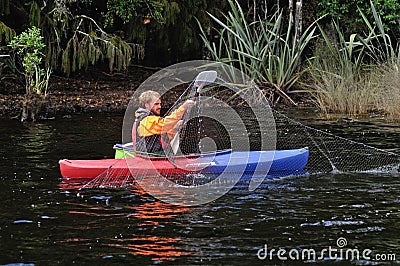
(331, 153)
(235, 115)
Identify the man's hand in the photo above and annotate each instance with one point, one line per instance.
(188, 104)
(178, 125)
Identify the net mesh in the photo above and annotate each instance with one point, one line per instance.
(202, 132)
(328, 152)
(331, 153)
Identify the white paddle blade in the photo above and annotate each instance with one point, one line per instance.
(206, 77)
(175, 143)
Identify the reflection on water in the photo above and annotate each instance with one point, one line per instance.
(285, 213)
(152, 215)
(35, 144)
(137, 219)
(25, 145)
(158, 248)
(42, 224)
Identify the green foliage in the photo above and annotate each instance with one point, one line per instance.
(6, 61)
(77, 41)
(170, 12)
(6, 33)
(177, 38)
(96, 45)
(335, 8)
(348, 75)
(345, 11)
(34, 15)
(265, 50)
(29, 45)
(171, 31)
(382, 49)
(5, 7)
(337, 78)
(128, 10)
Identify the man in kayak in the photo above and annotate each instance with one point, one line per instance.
(151, 132)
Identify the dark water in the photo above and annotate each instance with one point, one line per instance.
(42, 224)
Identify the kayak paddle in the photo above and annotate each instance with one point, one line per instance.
(203, 79)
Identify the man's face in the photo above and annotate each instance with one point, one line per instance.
(154, 106)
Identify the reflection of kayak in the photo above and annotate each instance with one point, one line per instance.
(276, 163)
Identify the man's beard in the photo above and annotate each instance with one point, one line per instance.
(156, 111)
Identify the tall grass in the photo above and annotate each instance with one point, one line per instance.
(338, 76)
(386, 79)
(358, 75)
(268, 51)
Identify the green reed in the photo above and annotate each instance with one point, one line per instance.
(268, 51)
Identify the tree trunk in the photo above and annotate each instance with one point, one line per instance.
(265, 10)
(290, 6)
(299, 24)
(254, 10)
(291, 13)
(299, 19)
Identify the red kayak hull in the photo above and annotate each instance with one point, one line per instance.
(124, 167)
(281, 162)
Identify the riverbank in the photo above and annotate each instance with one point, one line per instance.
(94, 91)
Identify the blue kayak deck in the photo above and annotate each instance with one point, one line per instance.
(259, 161)
(275, 162)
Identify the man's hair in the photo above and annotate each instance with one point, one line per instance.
(147, 96)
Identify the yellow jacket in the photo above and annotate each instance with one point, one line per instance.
(156, 125)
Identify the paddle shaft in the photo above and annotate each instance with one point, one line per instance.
(175, 141)
(202, 79)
